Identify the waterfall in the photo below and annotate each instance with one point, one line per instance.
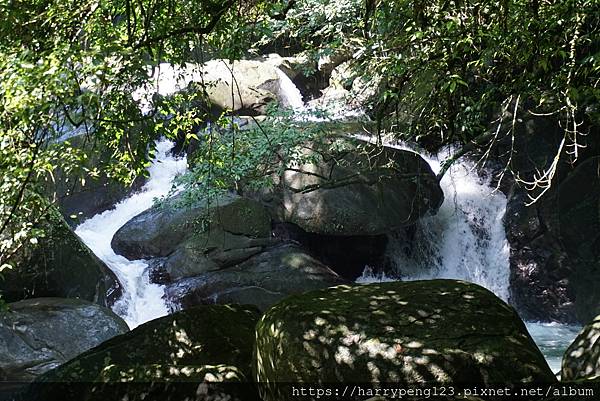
(465, 240)
(167, 79)
(141, 300)
(290, 94)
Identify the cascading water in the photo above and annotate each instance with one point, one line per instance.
(141, 300)
(289, 93)
(464, 240)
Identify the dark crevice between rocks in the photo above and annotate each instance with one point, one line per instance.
(346, 255)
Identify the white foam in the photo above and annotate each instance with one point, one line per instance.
(141, 301)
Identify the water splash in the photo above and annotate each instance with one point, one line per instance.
(553, 339)
(465, 240)
(290, 94)
(141, 300)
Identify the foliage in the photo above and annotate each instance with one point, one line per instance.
(248, 159)
(449, 67)
(71, 66)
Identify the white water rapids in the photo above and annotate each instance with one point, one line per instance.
(141, 300)
(464, 240)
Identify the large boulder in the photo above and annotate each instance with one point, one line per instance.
(582, 358)
(262, 280)
(540, 268)
(555, 262)
(349, 187)
(60, 265)
(37, 335)
(199, 345)
(245, 86)
(438, 331)
(579, 227)
(552, 276)
(210, 228)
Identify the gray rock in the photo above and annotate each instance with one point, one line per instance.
(79, 200)
(292, 66)
(60, 265)
(548, 280)
(197, 348)
(349, 187)
(579, 227)
(213, 250)
(40, 334)
(160, 230)
(262, 280)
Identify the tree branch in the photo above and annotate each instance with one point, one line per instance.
(200, 30)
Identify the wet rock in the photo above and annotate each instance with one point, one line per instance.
(439, 331)
(60, 265)
(262, 280)
(40, 334)
(550, 280)
(555, 263)
(579, 227)
(540, 267)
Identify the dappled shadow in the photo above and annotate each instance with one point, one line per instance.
(210, 345)
(439, 331)
(582, 358)
(345, 186)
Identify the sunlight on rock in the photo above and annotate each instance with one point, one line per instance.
(432, 339)
(343, 355)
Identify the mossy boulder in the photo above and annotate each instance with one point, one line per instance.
(60, 265)
(582, 358)
(39, 334)
(438, 331)
(349, 187)
(210, 344)
(262, 280)
(211, 250)
(160, 230)
(202, 336)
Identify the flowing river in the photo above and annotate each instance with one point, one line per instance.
(464, 240)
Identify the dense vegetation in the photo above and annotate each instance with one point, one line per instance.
(444, 70)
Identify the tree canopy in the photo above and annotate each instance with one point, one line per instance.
(445, 69)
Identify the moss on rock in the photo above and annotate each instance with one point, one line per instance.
(197, 337)
(439, 331)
